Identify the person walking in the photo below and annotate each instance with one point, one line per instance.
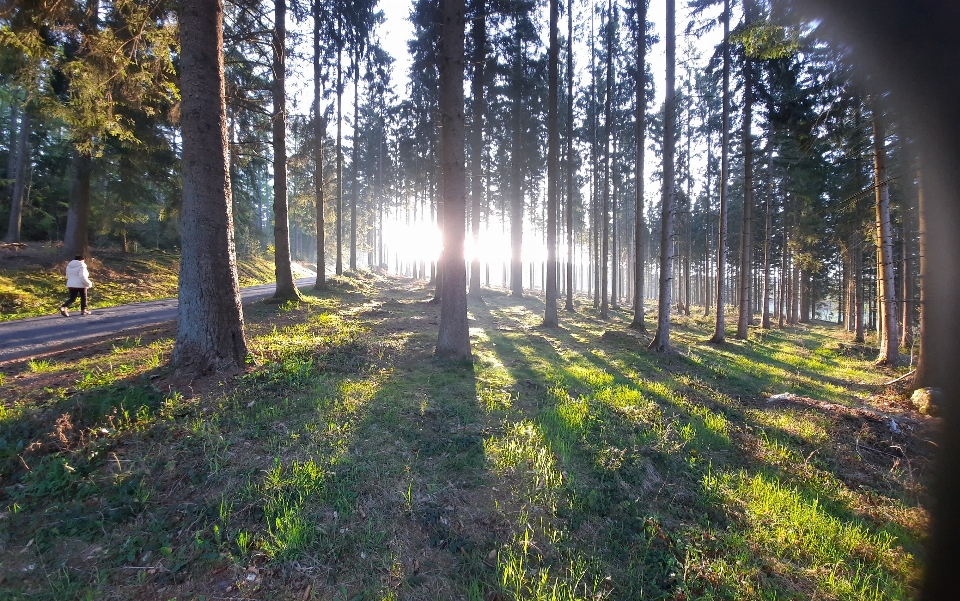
(78, 280)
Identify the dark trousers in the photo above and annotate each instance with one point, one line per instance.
(74, 293)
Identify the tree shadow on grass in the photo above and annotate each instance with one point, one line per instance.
(699, 452)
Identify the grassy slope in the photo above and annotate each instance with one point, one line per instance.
(563, 464)
(32, 281)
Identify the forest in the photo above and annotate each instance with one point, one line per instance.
(609, 299)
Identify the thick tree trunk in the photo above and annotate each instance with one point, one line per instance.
(476, 137)
(890, 339)
(453, 341)
(719, 330)
(286, 289)
(641, 124)
(661, 340)
(550, 317)
(20, 178)
(209, 316)
(76, 236)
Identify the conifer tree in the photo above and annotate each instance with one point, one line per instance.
(661, 339)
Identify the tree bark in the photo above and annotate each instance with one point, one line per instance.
(550, 318)
(719, 330)
(453, 341)
(209, 316)
(76, 236)
(767, 238)
(339, 212)
(286, 288)
(12, 154)
(889, 340)
(925, 376)
(479, 34)
(909, 271)
(355, 175)
(641, 124)
(319, 136)
(746, 249)
(661, 340)
(20, 178)
(604, 264)
(569, 215)
(516, 213)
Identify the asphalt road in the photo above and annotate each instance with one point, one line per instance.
(35, 335)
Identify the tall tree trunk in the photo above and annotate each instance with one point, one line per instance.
(479, 34)
(661, 340)
(339, 212)
(615, 279)
(767, 238)
(319, 136)
(355, 177)
(550, 318)
(926, 365)
(20, 178)
(889, 340)
(746, 249)
(595, 170)
(909, 271)
(453, 341)
(706, 230)
(641, 125)
(12, 155)
(286, 288)
(605, 209)
(516, 213)
(569, 213)
(76, 234)
(859, 323)
(719, 330)
(784, 279)
(209, 316)
(851, 283)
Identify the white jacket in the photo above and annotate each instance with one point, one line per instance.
(77, 275)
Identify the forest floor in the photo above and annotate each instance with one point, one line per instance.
(32, 280)
(569, 463)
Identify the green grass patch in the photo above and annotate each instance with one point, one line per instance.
(562, 464)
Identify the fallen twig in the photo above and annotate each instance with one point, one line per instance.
(903, 377)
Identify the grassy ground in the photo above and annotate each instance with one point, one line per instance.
(563, 463)
(32, 280)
